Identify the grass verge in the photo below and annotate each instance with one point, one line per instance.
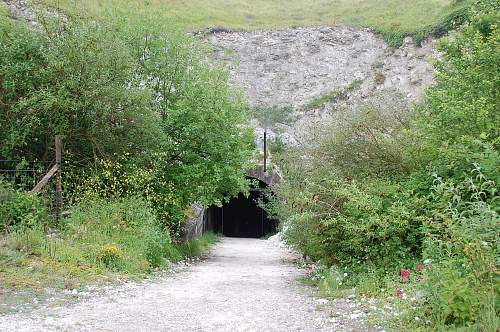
(394, 19)
(100, 242)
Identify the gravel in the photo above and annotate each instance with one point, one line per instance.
(245, 285)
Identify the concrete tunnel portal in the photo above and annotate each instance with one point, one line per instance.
(242, 216)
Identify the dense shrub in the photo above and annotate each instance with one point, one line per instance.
(19, 209)
(132, 99)
(121, 233)
(461, 131)
(461, 236)
(76, 80)
(337, 209)
(204, 119)
(373, 189)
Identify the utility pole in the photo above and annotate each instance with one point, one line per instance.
(265, 150)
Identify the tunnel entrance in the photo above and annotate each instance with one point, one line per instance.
(242, 217)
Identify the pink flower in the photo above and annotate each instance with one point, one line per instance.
(405, 274)
(400, 292)
(420, 267)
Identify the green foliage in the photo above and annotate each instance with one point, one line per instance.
(3, 11)
(272, 115)
(461, 225)
(339, 203)
(197, 246)
(124, 178)
(123, 234)
(100, 240)
(462, 238)
(209, 143)
(110, 255)
(465, 104)
(134, 100)
(277, 145)
(77, 81)
(120, 233)
(378, 191)
(20, 209)
(331, 96)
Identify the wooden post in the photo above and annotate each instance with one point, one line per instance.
(58, 176)
(265, 150)
(45, 179)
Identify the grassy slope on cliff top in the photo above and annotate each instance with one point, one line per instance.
(393, 18)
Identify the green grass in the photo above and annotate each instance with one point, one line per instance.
(3, 11)
(331, 96)
(101, 241)
(26, 275)
(393, 18)
(29, 261)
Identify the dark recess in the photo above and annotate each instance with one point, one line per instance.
(242, 217)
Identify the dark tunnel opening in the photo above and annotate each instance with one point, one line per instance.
(242, 217)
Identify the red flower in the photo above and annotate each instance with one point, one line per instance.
(420, 267)
(405, 274)
(399, 292)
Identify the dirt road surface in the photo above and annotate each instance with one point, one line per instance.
(245, 285)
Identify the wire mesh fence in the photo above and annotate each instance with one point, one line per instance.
(22, 173)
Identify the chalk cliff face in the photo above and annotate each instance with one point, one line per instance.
(21, 9)
(294, 67)
(31, 11)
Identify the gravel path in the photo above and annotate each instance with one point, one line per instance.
(246, 285)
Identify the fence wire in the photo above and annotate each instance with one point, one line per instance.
(23, 174)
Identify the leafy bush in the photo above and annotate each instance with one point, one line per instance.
(19, 209)
(337, 209)
(76, 80)
(462, 237)
(110, 255)
(121, 232)
(461, 225)
(131, 96)
(373, 189)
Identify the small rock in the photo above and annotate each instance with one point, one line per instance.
(322, 301)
